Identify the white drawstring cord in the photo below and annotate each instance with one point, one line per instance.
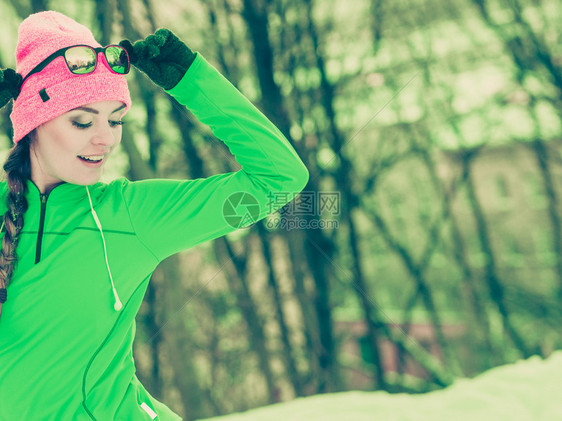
(118, 306)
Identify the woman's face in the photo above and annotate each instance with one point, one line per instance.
(92, 130)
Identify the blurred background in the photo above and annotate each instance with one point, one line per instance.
(427, 244)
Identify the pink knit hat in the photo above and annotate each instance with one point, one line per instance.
(40, 35)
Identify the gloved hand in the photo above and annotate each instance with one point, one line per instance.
(10, 85)
(162, 56)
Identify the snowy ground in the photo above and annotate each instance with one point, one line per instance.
(529, 390)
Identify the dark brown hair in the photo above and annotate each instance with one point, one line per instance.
(18, 171)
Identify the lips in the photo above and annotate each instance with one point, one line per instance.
(91, 158)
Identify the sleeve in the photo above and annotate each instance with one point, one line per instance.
(170, 215)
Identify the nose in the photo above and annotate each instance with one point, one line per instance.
(106, 136)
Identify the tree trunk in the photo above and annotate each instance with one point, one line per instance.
(308, 317)
(494, 283)
(542, 157)
(236, 277)
(288, 350)
(272, 103)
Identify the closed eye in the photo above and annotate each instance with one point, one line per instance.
(81, 126)
(85, 126)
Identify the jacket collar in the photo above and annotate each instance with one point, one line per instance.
(63, 194)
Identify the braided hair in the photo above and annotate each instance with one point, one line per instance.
(18, 171)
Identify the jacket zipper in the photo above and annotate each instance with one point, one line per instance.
(41, 225)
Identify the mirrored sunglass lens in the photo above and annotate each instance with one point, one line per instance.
(117, 59)
(80, 60)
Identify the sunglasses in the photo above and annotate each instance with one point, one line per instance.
(83, 59)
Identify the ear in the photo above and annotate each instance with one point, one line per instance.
(10, 85)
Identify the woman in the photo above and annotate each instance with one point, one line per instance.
(71, 288)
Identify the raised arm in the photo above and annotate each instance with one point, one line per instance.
(173, 215)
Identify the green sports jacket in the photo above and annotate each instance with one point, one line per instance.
(65, 351)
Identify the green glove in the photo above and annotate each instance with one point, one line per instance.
(10, 84)
(162, 56)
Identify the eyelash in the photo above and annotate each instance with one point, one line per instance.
(85, 126)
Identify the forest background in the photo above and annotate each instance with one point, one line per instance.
(427, 245)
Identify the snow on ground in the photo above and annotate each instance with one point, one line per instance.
(528, 390)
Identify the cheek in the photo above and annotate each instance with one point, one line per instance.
(118, 137)
(65, 155)
(72, 142)
(58, 142)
